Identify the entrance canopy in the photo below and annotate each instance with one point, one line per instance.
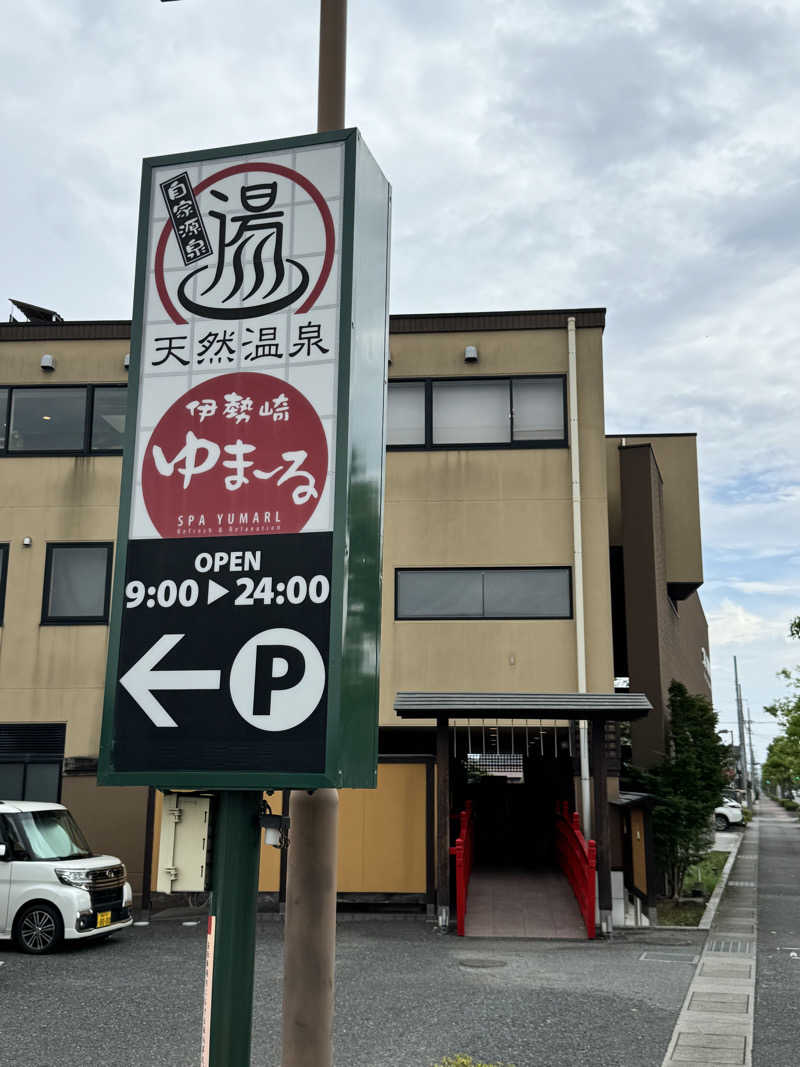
(594, 707)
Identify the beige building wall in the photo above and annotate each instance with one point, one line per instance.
(56, 673)
(504, 507)
(445, 508)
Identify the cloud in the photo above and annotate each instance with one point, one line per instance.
(638, 154)
(777, 589)
(732, 624)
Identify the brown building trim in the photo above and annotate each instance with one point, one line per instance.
(645, 593)
(90, 330)
(458, 322)
(120, 329)
(646, 436)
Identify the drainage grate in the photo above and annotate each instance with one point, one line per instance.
(730, 945)
(481, 962)
(667, 956)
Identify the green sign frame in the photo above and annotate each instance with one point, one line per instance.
(351, 748)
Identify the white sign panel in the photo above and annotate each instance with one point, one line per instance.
(238, 377)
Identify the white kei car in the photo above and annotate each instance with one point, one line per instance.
(51, 886)
(728, 813)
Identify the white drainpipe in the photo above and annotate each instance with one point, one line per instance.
(577, 538)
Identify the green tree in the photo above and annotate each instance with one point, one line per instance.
(687, 783)
(782, 765)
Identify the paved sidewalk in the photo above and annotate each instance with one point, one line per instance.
(775, 1034)
(715, 1025)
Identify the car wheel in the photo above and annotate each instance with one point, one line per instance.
(38, 929)
(721, 822)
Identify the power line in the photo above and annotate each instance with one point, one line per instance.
(763, 722)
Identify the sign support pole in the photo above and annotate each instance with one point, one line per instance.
(310, 930)
(309, 951)
(230, 954)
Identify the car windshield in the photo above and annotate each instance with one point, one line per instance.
(50, 835)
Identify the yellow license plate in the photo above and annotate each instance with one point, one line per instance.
(103, 919)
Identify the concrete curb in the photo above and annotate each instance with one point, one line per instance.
(719, 888)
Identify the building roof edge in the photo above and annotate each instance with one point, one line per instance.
(447, 322)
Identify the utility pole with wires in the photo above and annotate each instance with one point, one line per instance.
(746, 785)
(752, 757)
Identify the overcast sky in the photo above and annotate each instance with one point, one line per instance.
(639, 155)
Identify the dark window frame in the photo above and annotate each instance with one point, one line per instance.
(26, 763)
(5, 551)
(485, 618)
(76, 620)
(482, 446)
(86, 448)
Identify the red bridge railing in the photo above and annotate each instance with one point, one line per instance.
(463, 851)
(578, 860)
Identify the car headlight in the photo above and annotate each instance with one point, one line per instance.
(77, 879)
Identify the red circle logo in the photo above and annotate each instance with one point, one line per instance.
(242, 453)
(307, 293)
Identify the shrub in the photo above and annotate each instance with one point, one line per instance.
(687, 783)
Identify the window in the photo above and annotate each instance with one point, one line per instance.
(77, 583)
(72, 419)
(538, 407)
(528, 412)
(484, 593)
(47, 420)
(30, 760)
(3, 574)
(49, 835)
(405, 414)
(471, 412)
(108, 418)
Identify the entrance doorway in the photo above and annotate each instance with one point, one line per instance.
(514, 785)
(516, 888)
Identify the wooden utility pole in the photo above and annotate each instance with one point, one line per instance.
(310, 929)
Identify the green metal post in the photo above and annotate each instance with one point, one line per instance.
(228, 1007)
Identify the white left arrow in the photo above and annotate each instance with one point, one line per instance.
(142, 679)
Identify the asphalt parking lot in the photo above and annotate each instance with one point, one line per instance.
(405, 996)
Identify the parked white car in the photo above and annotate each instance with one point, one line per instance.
(51, 886)
(729, 812)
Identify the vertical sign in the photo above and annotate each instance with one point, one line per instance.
(245, 623)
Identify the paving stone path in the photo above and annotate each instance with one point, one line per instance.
(715, 1025)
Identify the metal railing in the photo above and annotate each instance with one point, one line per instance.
(463, 850)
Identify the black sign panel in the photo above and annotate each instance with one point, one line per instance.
(187, 222)
(223, 654)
